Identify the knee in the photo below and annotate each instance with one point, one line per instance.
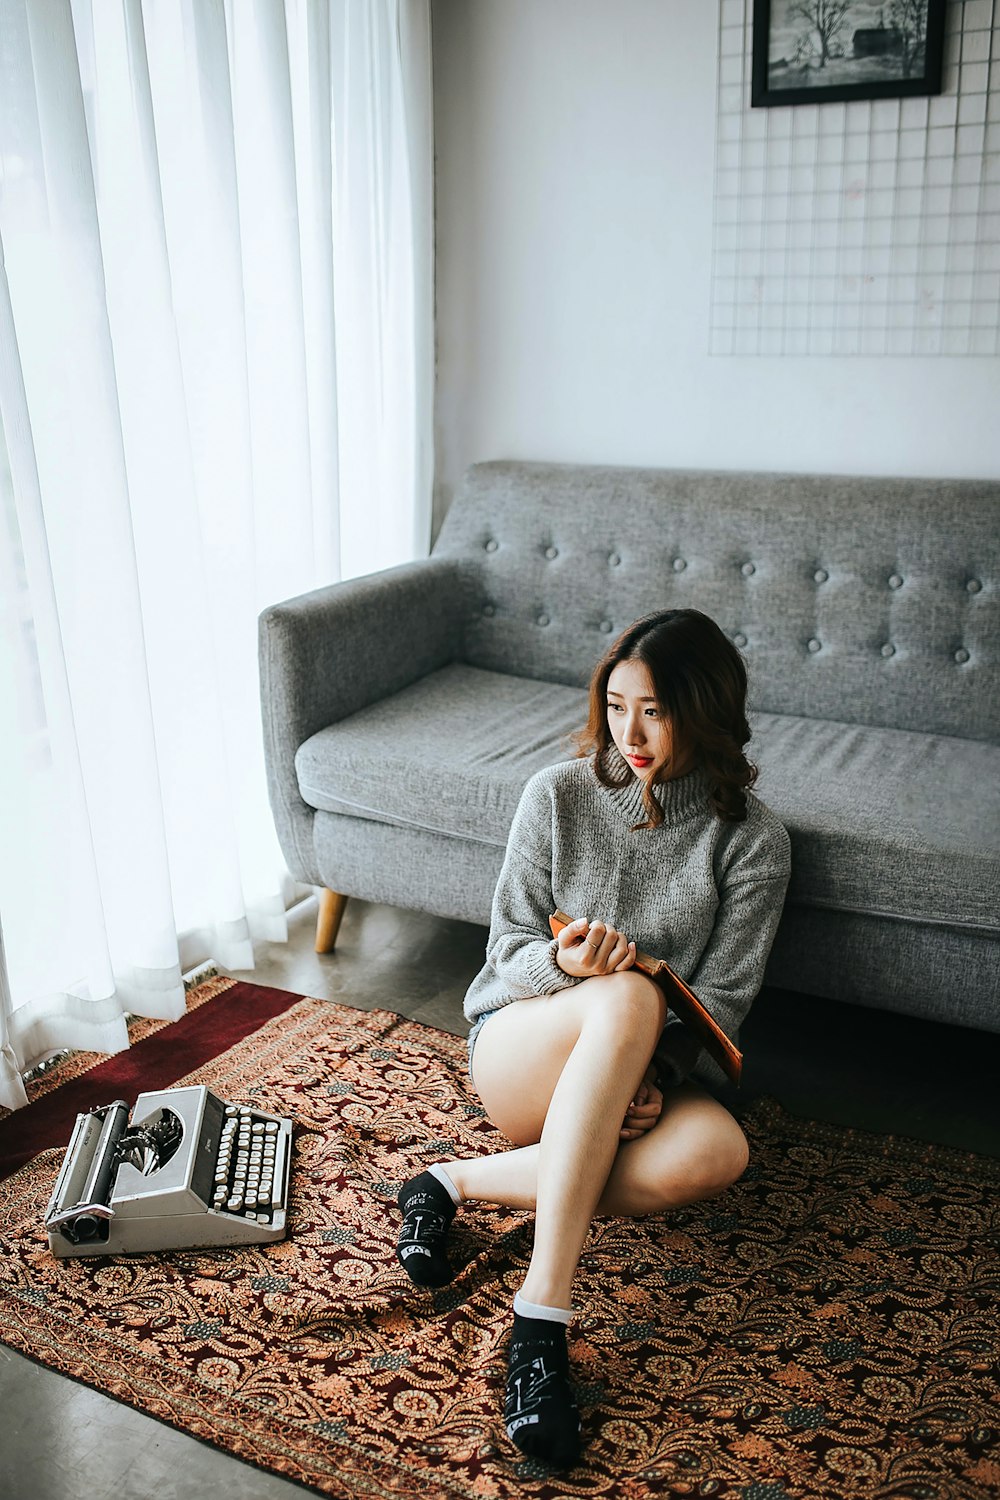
(719, 1164)
(628, 1002)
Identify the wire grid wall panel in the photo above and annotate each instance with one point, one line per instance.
(871, 227)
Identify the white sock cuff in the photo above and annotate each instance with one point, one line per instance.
(438, 1171)
(527, 1309)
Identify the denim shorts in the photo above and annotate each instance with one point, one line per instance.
(477, 1027)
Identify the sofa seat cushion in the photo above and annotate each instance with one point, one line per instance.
(449, 754)
(886, 822)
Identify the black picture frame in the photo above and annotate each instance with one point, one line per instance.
(840, 55)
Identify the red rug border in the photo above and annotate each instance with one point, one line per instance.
(171, 1052)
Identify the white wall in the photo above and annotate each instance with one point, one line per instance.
(574, 147)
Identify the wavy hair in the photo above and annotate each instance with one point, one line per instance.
(700, 682)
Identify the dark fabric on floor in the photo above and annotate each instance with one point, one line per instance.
(160, 1054)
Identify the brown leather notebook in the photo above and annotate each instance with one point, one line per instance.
(684, 1003)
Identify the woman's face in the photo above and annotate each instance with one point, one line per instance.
(638, 728)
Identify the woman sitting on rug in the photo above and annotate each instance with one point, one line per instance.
(651, 840)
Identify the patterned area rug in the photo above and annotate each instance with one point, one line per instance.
(826, 1329)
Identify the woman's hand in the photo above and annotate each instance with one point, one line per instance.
(645, 1109)
(589, 948)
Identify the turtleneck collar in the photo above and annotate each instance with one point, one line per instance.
(681, 799)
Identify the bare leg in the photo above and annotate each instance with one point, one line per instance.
(695, 1151)
(579, 1142)
(556, 1075)
(561, 1072)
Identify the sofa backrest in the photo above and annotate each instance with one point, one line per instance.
(872, 601)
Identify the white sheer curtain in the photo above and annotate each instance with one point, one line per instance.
(216, 371)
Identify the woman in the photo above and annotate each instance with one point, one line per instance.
(651, 840)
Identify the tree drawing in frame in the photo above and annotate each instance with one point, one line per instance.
(811, 51)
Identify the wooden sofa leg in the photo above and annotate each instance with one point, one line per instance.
(331, 912)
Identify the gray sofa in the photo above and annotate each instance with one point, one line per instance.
(404, 711)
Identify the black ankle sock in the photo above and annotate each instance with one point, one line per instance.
(540, 1410)
(427, 1214)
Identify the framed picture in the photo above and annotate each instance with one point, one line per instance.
(815, 51)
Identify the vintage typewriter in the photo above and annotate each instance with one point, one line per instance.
(187, 1170)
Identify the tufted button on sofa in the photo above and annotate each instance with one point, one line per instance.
(403, 712)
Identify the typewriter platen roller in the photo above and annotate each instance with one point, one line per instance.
(186, 1170)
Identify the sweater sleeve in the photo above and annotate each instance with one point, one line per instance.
(730, 970)
(520, 949)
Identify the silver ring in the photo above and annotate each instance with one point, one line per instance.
(592, 945)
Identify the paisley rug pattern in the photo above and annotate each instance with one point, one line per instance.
(828, 1328)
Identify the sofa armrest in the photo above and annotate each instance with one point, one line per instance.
(327, 654)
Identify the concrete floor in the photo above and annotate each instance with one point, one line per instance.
(820, 1059)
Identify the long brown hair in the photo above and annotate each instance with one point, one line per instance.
(700, 682)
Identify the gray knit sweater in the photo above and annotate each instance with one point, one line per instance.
(702, 893)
